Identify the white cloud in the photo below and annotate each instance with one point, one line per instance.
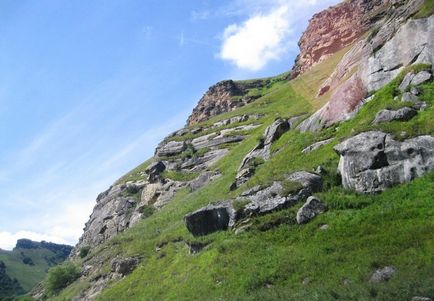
(257, 41)
(267, 34)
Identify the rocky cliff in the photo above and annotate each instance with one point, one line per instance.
(260, 172)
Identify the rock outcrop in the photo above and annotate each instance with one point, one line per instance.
(373, 161)
(310, 209)
(224, 96)
(403, 114)
(210, 219)
(333, 29)
(261, 151)
(396, 41)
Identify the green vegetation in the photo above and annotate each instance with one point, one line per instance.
(276, 259)
(84, 251)
(61, 276)
(426, 10)
(179, 176)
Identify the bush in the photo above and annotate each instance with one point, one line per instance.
(61, 276)
(84, 251)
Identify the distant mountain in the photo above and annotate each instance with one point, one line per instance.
(27, 264)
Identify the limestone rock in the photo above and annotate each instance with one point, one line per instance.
(261, 151)
(171, 148)
(316, 146)
(383, 274)
(210, 219)
(406, 81)
(373, 161)
(403, 114)
(124, 266)
(310, 209)
(154, 170)
(203, 179)
(421, 78)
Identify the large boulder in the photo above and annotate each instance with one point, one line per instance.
(373, 161)
(210, 219)
(154, 170)
(403, 114)
(310, 209)
(171, 148)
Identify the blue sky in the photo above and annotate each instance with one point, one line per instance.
(88, 88)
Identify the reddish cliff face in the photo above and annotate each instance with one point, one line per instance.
(333, 29)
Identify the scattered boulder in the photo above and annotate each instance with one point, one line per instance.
(421, 78)
(212, 140)
(409, 97)
(203, 179)
(406, 81)
(171, 148)
(310, 209)
(293, 121)
(403, 114)
(324, 227)
(316, 146)
(125, 266)
(205, 161)
(275, 130)
(373, 161)
(383, 274)
(415, 91)
(154, 170)
(211, 218)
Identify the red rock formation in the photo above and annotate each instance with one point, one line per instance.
(333, 29)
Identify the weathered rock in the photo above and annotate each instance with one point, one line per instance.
(293, 121)
(406, 81)
(316, 145)
(409, 97)
(383, 274)
(124, 266)
(171, 148)
(311, 182)
(373, 161)
(224, 96)
(415, 91)
(203, 179)
(210, 219)
(403, 114)
(421, 78)
(210, 141)
(310, 209)
(205, 161)
(333, 29)
(261, 151)
(154, 170)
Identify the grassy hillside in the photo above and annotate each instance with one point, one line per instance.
(29, 262)
(276, 259)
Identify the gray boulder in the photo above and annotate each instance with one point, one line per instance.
(203, 179)
(310, 209)
(403, 114)
(316, 146)
(124, 266)
(409, 97)
(406, 81)
(210, 219)
(383, 274)
(373, 161)
(421, 78)
(154, 170)
(275, 130)
(171, 148)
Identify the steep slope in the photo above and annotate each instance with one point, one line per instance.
(261, 201)
(29, 261)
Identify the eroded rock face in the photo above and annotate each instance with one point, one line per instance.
(224, 96)
(210, 219)
(333, 29)
(373, 161)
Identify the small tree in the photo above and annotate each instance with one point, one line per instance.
(61, 276)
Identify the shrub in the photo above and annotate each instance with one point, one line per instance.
(61, 276)
(84, 251)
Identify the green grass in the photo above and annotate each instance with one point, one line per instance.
(276, 259)
(426, 10)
